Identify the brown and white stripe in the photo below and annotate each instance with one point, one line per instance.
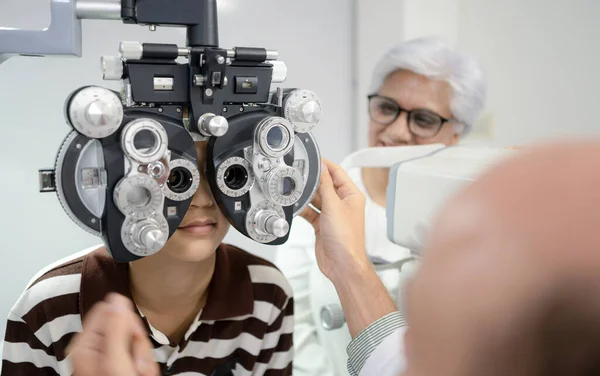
(247, 324)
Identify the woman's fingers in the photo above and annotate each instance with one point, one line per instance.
(317, 201)
(344, 186)
(328, 194)
(311, 216)
(335, 186)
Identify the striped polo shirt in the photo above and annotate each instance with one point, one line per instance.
(245, 328)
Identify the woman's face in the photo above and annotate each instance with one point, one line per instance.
(412, 91)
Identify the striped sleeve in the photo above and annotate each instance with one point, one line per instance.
(372, 336)
(41, 324)
(24, 354)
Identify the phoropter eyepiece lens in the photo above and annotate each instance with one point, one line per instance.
(180, 180)
(236, 177)
(144, 139)
(276, 139)
(183, 181)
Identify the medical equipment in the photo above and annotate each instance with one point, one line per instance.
(421, 179)
(127, 171)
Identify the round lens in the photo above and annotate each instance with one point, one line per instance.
(383, 110)
(425, 124)
(236, 177)
(139, 197)
(180, 180)
(145, 142)
(287, 186)
(276, 138)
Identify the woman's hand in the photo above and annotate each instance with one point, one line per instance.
(113, 342)
(340, 227)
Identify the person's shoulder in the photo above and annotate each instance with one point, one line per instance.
(266, 278)
(54, 286)
(48, 309)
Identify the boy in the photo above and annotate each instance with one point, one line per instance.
(209, 308)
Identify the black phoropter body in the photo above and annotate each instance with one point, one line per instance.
(127, 171)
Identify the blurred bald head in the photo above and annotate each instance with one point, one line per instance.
(510, 282)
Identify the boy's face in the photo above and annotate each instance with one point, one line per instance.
(204, 226)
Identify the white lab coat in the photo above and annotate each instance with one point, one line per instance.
(318, 351)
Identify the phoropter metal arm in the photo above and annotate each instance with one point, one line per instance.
(63, 36)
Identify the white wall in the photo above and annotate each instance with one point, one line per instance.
(35, 231)
(541, 58)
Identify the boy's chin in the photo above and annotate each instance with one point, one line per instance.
(196, 250)
(192, 249)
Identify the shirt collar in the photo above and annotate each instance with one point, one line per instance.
(230, 291)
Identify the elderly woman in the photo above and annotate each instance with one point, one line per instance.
(422, 92)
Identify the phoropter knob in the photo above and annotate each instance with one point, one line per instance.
(277, 226)
(94, 111)
(308, 111)
(131, 50)
(150, 236)
(303, 109)
(112, 67)
(279, 72)
(270, 223)
(332, 317)
(211, 125)
(145, 236)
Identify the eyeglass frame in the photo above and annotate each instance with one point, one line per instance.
(408, 115)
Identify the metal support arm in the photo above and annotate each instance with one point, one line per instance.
(63, 36)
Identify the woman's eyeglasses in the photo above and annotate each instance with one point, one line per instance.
(422, 123)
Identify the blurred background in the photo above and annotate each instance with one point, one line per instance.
(541, 59)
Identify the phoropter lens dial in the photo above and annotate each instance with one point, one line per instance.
(144, 140)
(284, 185)
(138, 196)
(274, 136)
(235, 177)
(183, 181)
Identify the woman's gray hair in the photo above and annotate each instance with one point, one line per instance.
(433, 57)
